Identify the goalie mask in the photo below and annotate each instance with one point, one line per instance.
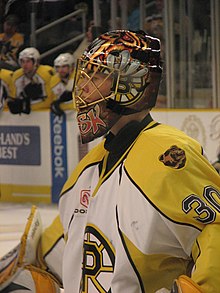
(118, 74)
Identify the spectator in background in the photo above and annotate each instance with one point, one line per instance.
(21, 8)
(155, 27)
(11, 41)
(5, 79)
(85, 42)
(133, 14)
(91, 33)
(30, 86)
(61, 84)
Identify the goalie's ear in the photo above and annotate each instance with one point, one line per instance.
(24, 253)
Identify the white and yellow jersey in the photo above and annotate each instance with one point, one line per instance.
(42, 76)
(5, 79)
(58, 87)
(144, 222)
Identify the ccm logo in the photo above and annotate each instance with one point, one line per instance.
(84, 197)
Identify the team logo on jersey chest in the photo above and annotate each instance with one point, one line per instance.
(174, 157)
(84, 197)
(98, 262)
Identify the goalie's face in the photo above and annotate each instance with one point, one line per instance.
(93, 84)
(91, 91)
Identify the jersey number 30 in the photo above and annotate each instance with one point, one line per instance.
(206, 214)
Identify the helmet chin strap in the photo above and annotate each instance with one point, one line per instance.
(117, 108)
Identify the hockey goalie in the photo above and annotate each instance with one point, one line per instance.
(141, 211)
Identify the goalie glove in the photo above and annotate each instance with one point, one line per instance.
(18, 106)
(34, 280)
(185, 284)
(33, 91)
(23, 254)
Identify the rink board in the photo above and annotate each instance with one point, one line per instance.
(39, 151)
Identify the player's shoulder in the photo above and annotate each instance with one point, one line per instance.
(46, 70)
(162, 135)
(17, 73)
(55, 79)
(92, 158)
(166, 165)
(162, 145)
(5, 73)
(19, 36)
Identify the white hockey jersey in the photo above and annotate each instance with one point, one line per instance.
(143, 223)
(58, 87)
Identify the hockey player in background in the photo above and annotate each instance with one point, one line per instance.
(62, 84)
(5, 79)
(141, 211)
(30, 86)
